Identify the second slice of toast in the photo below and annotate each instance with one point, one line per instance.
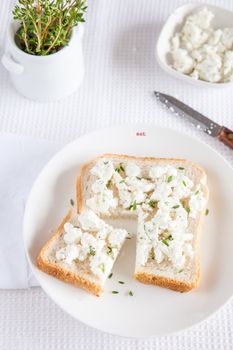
(82, 251)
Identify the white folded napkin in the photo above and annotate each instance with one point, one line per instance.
(21, 159)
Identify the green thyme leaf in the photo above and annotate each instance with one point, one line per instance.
(138, 177)
(176, 206)
(152, 254)
(122, 181)
(72, 202)
(170, 237)
(188, 210)
(180, 168)
(120, 168)
(109, 250)
(121, 282)
(207, 212)
(196, 193)
(165, 242)
(184, 183)
(130, 293)
(133, 206)
(102, 267)
(169, 178)
(92, 251)
(110, 275)
(115, 292)
(181, 270)
(109, 184)
(153, 204)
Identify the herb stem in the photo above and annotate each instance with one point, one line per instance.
(56, 38)
(25, 36)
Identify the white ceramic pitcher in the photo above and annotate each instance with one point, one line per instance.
(45, 78)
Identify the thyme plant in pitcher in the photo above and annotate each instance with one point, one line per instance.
(46, 26)
(44, 48)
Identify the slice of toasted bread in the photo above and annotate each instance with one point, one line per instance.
(163, 274)
(75, 272)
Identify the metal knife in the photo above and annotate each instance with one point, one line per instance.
(201, 122)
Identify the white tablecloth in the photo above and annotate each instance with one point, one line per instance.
(121, 74)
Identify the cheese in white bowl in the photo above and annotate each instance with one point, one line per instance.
(202, 52)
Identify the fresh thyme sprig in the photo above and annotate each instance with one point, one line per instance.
(45, 25)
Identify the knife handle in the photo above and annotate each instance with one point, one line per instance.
(225, 135)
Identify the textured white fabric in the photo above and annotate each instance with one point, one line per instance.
(121, 73)
(21, 158)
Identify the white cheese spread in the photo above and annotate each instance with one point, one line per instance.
(94, 241)
(165, 200)
(201, 51)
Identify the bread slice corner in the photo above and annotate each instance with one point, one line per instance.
(175, 284)
(47, 263)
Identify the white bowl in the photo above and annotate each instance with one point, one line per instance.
(223, 18)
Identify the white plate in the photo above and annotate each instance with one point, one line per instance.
(223, 18)
(152, 310)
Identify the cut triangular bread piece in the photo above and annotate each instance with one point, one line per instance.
(168, 196)
(82, 251)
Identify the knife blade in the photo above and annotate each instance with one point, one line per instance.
(200, 121)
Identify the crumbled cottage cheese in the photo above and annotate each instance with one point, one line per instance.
(103, 200)
(165, 200)
(201, 51)
(94, 241)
